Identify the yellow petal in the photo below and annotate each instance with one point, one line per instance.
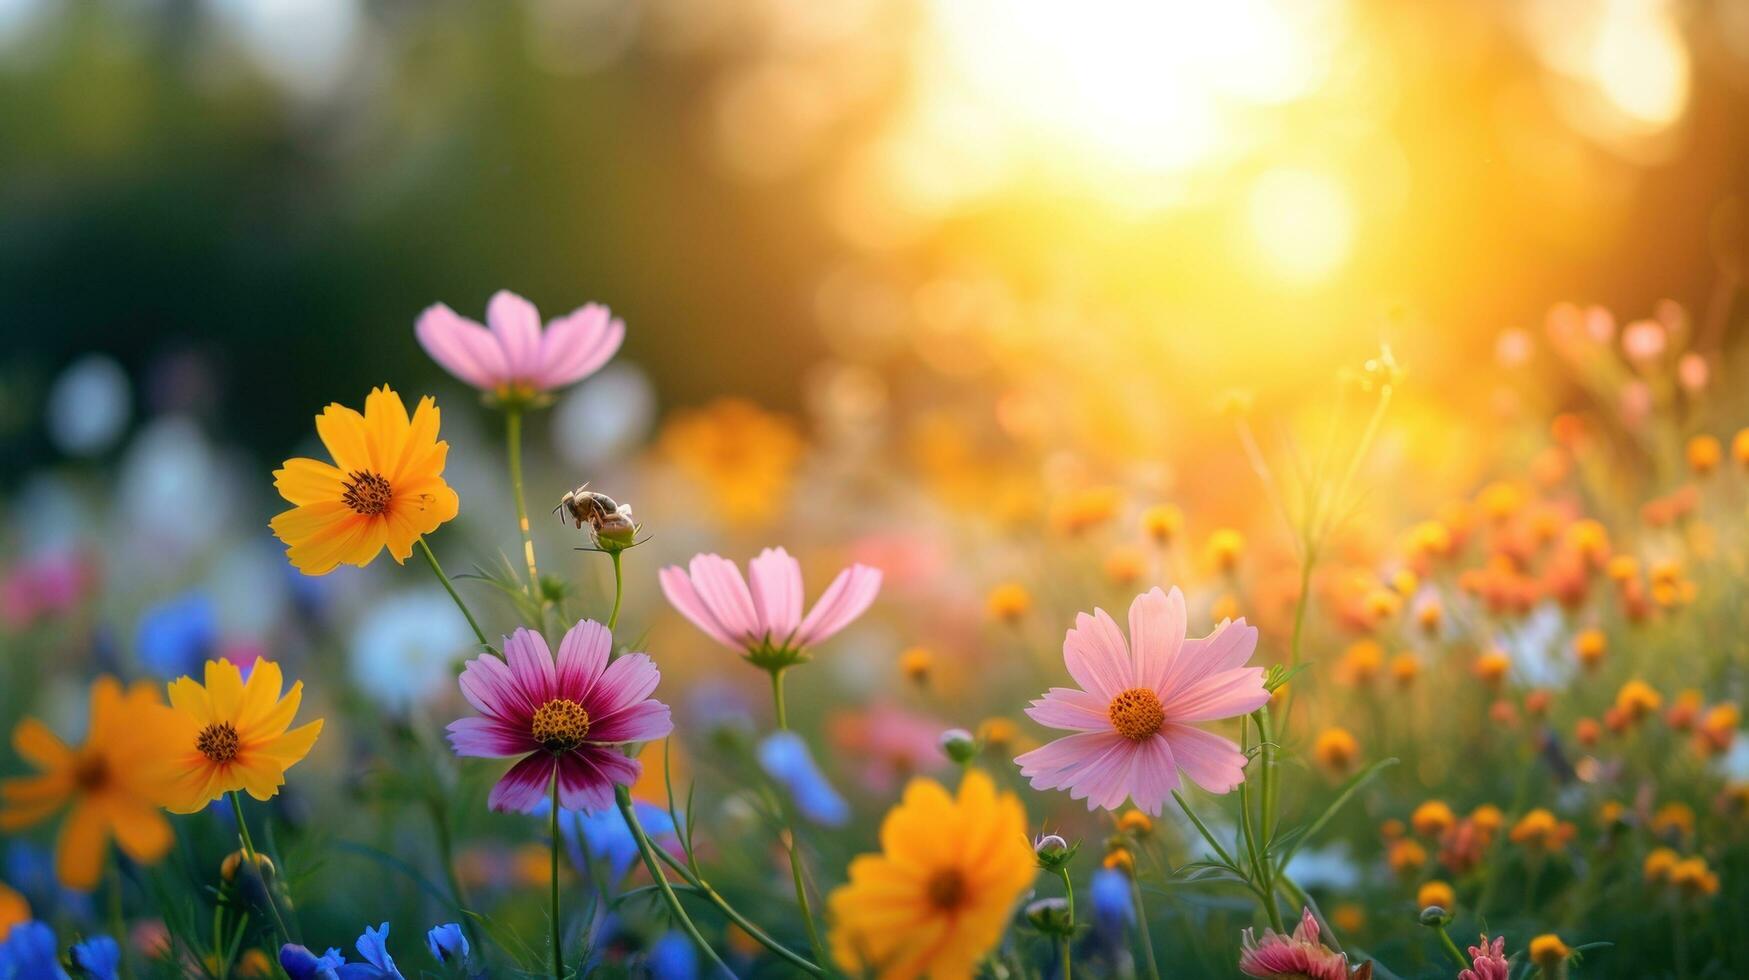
(31, 801)
(309, 481)
(40, 746)
(260, 696)
(188, 697)
(363, 547)
(418, 445)
(289, 749)
(140, 829)
(342, 431)
(261, 778)
(320, 553)
(385, 429)
(224, 687)
(303, 523)
(80, 850)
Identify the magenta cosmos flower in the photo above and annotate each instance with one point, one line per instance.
(1139, 702)
(1294, 957)
(568, 717)
(515, 359)
(765, 621)
(1488, 961)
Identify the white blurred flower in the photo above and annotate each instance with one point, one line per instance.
(403, 652)
(89, 406)
(179, 493)
(249, 588)
(604, 416)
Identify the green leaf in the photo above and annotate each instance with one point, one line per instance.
(1353, 786)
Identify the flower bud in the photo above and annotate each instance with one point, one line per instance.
(1053, 852)
(959, 745)
(447, 943)
(1433, 915)
(1051, 917)
(234, 861)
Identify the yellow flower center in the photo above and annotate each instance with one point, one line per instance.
(90, 773)
(1137, 713)
(367, 493)
(560, 724)
(946, 889)
(218, 742)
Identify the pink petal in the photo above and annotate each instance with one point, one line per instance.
(683, 597)
(644, 721)
(1154, 775)
(531, 661)
(576, 346)
(1229, 646)
(848, 597)
(516, 324)
(628, 680)
(1095, 653)
(588, 775)
(1224, 695)
(1072, 709)
(1212, 762)
(724, 592)
(489, 738)
(491, 688)
(1105, 782)
(463, 347)
(524, 786)
(1092, 766)
(776, 581)
(582, 657)
(1157, 624)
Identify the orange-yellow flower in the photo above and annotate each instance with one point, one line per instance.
(228, 735)
(385, 486)
(1335, 748)
(1436, 893)
(939, 895)
(1431, 819)
(14, 911)
(114, 783)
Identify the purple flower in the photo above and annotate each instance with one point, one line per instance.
(515, 358)
(570, 717)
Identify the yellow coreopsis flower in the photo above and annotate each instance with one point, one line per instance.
(385, 486)
(228, 735)
(14, 911)
(939, 894)
(113, 783)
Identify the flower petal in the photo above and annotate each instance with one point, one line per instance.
(516, 324)
(531, 661)
(524, 786)
(341, 429)
(1229, 646)
(1224, 695)
(642, 722)
(491, 688)
(463, 347)
(848, 597)
(1073, 709)
(625, 682)
(683, 597)
(588, 775)
(82, 846)
(1157, 624)
(1212, 762)
(576, 346)
(489, 738)
(723, 591)
(582, 657)
(1096, 655)
(776, 582)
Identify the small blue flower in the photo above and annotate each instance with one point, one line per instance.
(98, 957)
(785, 756)
(29, 954)
(673, 958)
(608, 838)
(447, 943)
(373, 946)
(176, 637)
(301, 964)
(1111, 900)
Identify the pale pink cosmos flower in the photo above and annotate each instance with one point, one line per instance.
(764, 620)
(1300, 955)
(515, 358)
(1489, 959)
(1139, 703)
(1643, 341)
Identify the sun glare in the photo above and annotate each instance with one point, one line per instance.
(1303, 224)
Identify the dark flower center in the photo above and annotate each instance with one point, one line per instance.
(560, 724)
(218, 742)
(367, 493)
(946, 889)
(90, 773)
(1137, 713)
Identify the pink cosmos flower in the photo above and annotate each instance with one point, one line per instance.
(515, 358)
(1138, 705)
(568, 717)
(1301, 955)
(765, 620)
(1489, 959)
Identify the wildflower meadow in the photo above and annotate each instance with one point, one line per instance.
(572, 606)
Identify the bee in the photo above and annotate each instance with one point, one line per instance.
(597, 510)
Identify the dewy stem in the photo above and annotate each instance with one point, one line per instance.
(558, 923)
(431, 559)
(1142, 929)
(513, 439)
(623, 797)
(619, 587)
(797, 873)
(777, 698)
(1068, 945)
(254, 862)
(759, 935)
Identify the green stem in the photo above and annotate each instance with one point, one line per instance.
(1203, 829)
(623, 797)
(777, 698)
(446, 854)
(254, 862)
(1305, 901)
(447, 587)
(1142, 930)
(759, 935)
(796, 873)
(1069, 893)
(513, 438)
(558, 923)
(1452, 949)
(619, 587)
(116, 923)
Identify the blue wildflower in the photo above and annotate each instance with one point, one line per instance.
(605, 833)
(99, 956)
(29, 954)
(373, 946)
(447, 943)
(1111, 900)
(301, 964)
(785, 757)
(673, 958)
(176, 637)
